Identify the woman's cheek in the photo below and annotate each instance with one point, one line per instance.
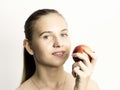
(68, 45)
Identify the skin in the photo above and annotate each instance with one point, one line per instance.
(50, 47)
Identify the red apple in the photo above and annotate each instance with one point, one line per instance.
(80, 49)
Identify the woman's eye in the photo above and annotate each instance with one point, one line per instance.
(64, 35)
(47, 37)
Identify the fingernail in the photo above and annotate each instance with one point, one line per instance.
(73, 55)
(76, 68)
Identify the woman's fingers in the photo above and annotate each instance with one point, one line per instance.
(81, 70)
(78, 72)
(91, 55)
(75, 66)
(83, 57)
(84, 67)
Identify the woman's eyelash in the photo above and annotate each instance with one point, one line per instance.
(46, 36)
(64, 34)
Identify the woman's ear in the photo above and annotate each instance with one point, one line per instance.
(27, 46)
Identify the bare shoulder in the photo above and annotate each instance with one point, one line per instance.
(92, 85)
(27, 85)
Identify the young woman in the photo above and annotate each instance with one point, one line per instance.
(46, 48)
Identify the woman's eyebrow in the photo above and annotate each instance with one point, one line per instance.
(50, 32)
(44, 32)
(64, 30)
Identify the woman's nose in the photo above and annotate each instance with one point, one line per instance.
(57, 43)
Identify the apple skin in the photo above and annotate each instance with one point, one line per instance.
(80, 49)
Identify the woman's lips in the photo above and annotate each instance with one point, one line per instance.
(58, 53)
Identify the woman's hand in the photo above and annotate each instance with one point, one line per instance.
(83, 69)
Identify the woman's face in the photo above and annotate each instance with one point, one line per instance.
(50, 42)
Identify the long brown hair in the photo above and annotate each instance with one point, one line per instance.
(29, 63)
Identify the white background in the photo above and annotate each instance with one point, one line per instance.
(92, 22)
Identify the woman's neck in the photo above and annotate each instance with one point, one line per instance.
(49, 76)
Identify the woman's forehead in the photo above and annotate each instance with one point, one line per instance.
(51, 22)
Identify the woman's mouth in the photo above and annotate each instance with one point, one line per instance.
(58, 53)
